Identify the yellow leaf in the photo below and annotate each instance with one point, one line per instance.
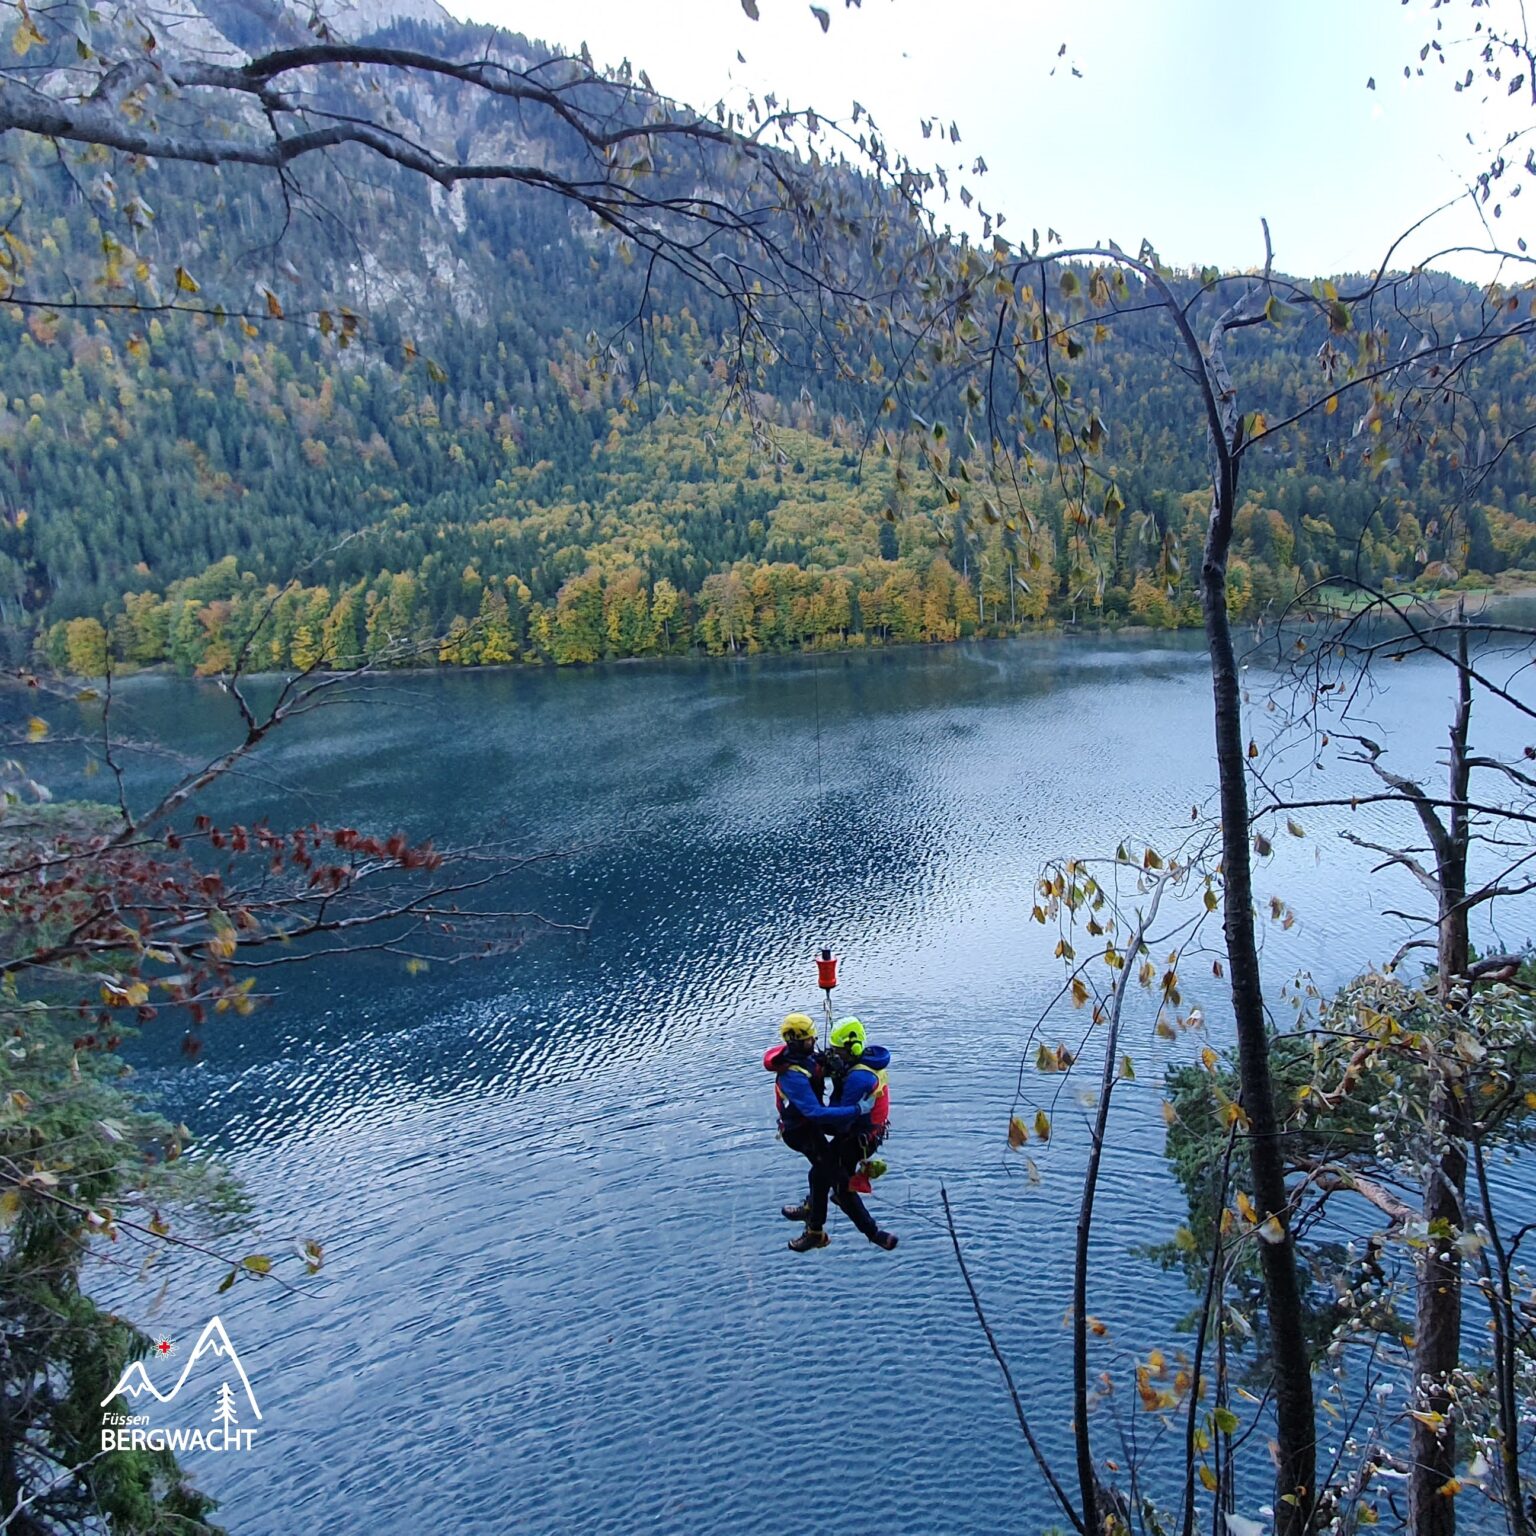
(1272, 1231)
(257, 1263)
(36, 729)
(19, 1101)
(27, 34)
(1170, 1114)
(1207, 1478)
(1210, 899)
(1018, 1132)
(1210, 1058)
(1232, 1114)
(10, 1206)
(186, 282)
(1042, 1125)
(1330, 405)
(1246, 1208)
(1294, 828)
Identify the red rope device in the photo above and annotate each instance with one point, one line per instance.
(826, 970)
(826, 979)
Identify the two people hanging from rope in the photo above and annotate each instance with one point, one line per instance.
(833, 1107)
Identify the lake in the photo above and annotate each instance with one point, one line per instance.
(557, 1297)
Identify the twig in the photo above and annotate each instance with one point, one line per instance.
(1002, 1363)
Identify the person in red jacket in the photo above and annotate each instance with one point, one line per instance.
(798, 1085)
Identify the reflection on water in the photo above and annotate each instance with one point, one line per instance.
(557, 1296)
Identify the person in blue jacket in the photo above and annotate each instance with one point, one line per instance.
(804, 1120)
(858, 1072)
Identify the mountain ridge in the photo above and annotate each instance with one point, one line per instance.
(146, 459)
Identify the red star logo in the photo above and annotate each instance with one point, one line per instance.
(164, 1346)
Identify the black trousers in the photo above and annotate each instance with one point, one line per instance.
(811, 1144)
(829, 1178)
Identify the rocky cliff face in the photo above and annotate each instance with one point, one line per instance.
(357, 18)
(252, 26)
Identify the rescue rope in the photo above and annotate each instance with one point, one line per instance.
(816, 696)
(826, 966)
(826, 979)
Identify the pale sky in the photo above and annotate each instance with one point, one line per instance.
(1191, 120)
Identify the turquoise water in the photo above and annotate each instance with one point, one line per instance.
(557, 1297)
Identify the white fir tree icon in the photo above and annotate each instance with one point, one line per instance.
(225, 1413)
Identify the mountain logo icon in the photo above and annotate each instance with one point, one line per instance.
(213, 1341)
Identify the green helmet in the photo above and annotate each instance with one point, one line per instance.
(848, 1035)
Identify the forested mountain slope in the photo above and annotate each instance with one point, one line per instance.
(457, 468)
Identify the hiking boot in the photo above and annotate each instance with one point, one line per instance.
(886, 1240)
(801, 1212)
(809, 1239)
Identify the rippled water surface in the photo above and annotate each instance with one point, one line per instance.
(557, 1297)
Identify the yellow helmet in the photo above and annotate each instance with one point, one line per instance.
(798, 1026)
(848, 1035)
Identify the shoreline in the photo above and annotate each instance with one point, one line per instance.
(1438, 604)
